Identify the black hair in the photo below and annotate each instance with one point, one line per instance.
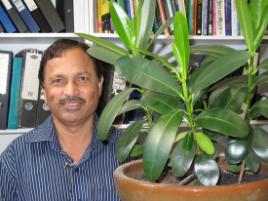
(59, 46)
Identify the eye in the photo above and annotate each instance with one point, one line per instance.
(83, 78)
(57, 81)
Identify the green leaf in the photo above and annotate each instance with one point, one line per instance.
(161, 29)
(206, 170)
(245, 20)
(160, 103)
(253, 162)
(180, 45)
(103, 54)
(110, 112)
(234, 168)
(181, 160)
(122, 25)
(264, 65)
(204, 143)
(256, 7)
(223, 121)
(130, 105)
(237, 149)
(137, 150)
(260, 143)
(147, 21)
(230, 98)
(260, 79)
(158, 144)
(259, 108)
(188, 142)
(104, 43)
(147, 74)
(127, 140)
(211, 50)
(261, 28)
(217, 70)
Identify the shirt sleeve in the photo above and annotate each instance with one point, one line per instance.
(8, 186)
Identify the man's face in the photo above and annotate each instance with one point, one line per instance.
(71, 87)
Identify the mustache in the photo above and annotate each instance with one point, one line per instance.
(71, 99)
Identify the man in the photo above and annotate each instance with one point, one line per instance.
(63, 159)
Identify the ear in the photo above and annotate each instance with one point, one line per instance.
(43, 94)
(100, 85)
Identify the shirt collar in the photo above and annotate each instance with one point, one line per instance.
(46, 132)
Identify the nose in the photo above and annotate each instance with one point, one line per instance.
(71, 89)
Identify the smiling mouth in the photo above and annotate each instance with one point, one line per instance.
(72, 106)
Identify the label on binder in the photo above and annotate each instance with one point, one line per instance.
(4, 59)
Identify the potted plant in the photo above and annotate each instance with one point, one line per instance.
(219, 140)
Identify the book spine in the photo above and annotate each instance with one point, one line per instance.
(6, 21)
(228, 17)
(199, 17)
(204, 17)
(13, 115)
(210, 17)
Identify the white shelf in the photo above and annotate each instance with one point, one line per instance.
(15, 131)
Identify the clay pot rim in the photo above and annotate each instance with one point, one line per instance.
(121, 171)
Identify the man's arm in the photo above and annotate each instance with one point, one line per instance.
(8, 186)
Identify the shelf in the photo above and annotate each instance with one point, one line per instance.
(15, 131)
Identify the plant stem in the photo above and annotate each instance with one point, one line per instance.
(187, 179)
(242, 169)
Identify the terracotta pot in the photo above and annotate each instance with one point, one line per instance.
(130, 189)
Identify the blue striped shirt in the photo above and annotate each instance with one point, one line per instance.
(35, 168)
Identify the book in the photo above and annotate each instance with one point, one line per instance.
(80, 9)
(26, 16)
(205, 17)
(29, 87)
(38, 16)
(42, 108)
(6, 21)
(209, 17)
(5, 77)
(66, 12)
(228, 17)
(105, 16)
(199, 17)
(51, 15)
(14, 103)
(220, 18)
(14, 16)
(1, 28)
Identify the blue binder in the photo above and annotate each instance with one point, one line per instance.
(6, 22)
(26, 16)
(14, 103)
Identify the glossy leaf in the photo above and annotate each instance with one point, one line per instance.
(206, 170)
(237, 149)
(218, 69)
(211, 50)
(146, 23)
(233, 81)
(264, 65)
(103, 54)
(104, 43)
(260, 79)
(110, 111)
(259, 108)
(180, 45)
(127, 141)
(188, 142)
(256, 7)
(181, 160)
(160, 103)
(223, 121)
(158, 144)
(230, 98)
(122, 24)
(137, 151)
(261, 28)
(253, 162)
(245, 21)
(147, 74)
(260, 143)
(204, 143)
(234, 168)
(130, 105)
(161, 30)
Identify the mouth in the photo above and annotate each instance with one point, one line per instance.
(72, 106)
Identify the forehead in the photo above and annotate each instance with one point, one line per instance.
(70, 61)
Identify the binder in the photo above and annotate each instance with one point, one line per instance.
(65, 10)
(6, 21)
(51, 15)
(38, 16)
(14, 16)
(29, 87)
(1, 28)
(42, 108)
(13, 114)
(26, 16)
(5, 76)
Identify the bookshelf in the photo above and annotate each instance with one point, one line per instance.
(18, 41)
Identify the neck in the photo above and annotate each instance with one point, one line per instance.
(75, 139)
